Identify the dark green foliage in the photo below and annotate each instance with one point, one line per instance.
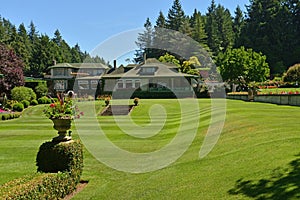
(64, 157)
(39, 186)
(44, 100)
(19, 107)
(23, 93)
(25, 103)
(293, 74)
(41, 89)
(175, 16)
(241, 66)
(37, 51)
(10, 116)
(64, 160)
(34, 102)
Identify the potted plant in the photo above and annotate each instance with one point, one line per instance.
(136, 101)
(62, 112)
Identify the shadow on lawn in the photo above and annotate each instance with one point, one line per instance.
(283, 184)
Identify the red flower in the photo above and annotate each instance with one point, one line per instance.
(52, 105)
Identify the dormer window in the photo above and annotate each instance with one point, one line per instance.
(148, 70)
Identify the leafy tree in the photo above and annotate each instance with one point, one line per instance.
(168, 58)
(293, 74)
(41, 89)
(11, 66)
(175, 16)
(240, 64)
(268, 29)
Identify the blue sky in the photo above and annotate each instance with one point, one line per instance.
(91, 22)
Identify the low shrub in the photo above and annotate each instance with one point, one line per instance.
(44, 100)
(39, 186)
(19, 107)
(22, 93)
(64, 157)
(25, 103)
(10, 116)
(34, 102)
(62, 162)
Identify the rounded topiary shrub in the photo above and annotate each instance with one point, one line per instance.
(19, 107)
(44, 100)
(34, 102)
(56, 157)
(22, 93)
(25, 103)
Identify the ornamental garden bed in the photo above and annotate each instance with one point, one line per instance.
(280, 97)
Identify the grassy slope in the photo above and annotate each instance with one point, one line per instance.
(258, 142)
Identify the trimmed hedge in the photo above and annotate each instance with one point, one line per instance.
(25, 103)
(39, 186)
(63, 160)
(10, 116)
(19, 107)
(44, 100)
(34, 102)
(64, 156)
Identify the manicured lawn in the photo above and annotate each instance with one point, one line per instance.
(256, 156)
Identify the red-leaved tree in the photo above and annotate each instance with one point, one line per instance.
(11, 66)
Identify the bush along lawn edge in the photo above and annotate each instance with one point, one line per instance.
(59, 170)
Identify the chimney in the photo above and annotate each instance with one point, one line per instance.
(54, 62)
(115, 64)
(145, 57)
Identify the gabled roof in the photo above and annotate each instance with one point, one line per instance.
(80, 66)
(158, 69)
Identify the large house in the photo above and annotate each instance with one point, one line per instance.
(87, 75)
(152, 79)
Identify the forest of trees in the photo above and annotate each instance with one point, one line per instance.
(271, 27)
(38, 51)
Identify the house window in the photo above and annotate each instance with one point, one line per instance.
(128, 83)
(60, 72)
(148, 70)
(97, 72)
(137, 83)
(94, 84)
(120, 84)
(59, 84)
(83, 85)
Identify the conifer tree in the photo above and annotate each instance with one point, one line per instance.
(175, 16)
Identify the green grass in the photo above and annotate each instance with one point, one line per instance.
(257, 155)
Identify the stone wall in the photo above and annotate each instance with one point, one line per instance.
(293, 100)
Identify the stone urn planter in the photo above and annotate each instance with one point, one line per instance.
(62, 126)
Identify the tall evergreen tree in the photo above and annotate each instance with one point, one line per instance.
(266, 31)
(145, 42)
(161, 20)
(225, 28)
(198, 26)
(238, 23)
(22, 47)
(211, 28)
(175, 16)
